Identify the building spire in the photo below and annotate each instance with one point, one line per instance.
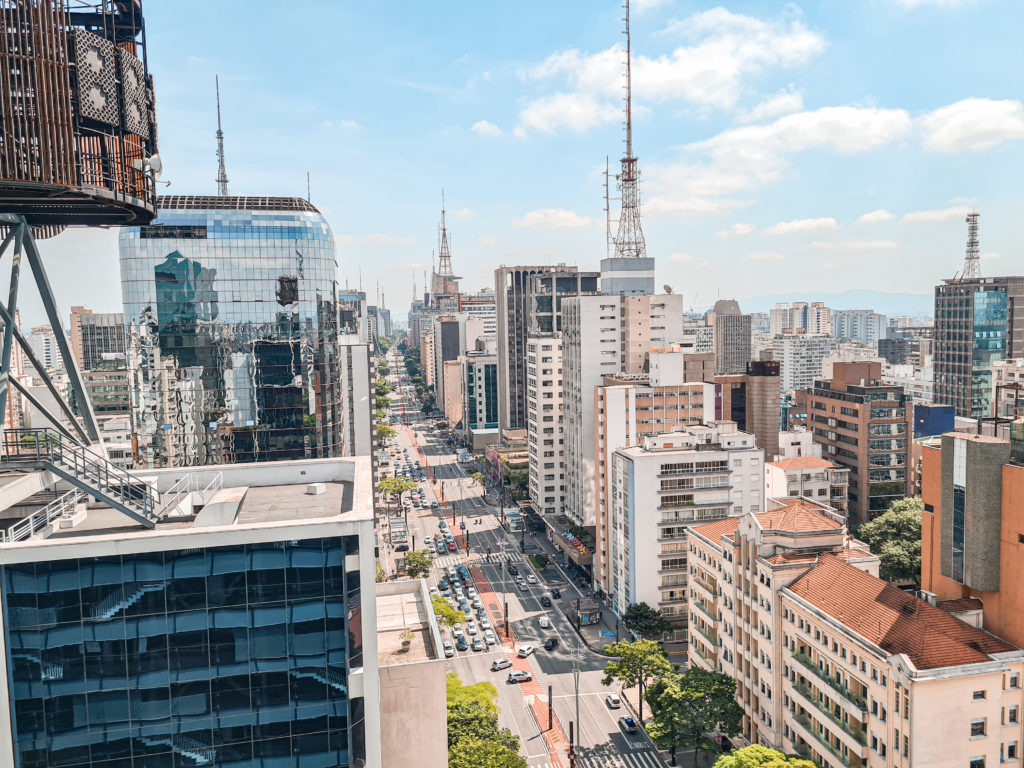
(972, 257)
(444, 265)
(222, 174)
(629, 240)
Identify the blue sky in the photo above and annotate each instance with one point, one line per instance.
(812, 146)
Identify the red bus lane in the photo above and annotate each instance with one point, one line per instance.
(533, 692)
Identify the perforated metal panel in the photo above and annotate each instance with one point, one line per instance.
(97, 83)
(136, 97)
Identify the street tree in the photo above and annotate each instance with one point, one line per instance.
(384, 431)
(445, 613)
(641, 619)
(381, 387)
(470, 720)
(382, 402)
(478, 478)
(757, 756)
(394, 487)
(636, 665)
(418, 563)
(474, 753)
(686, 708)
(895, 536)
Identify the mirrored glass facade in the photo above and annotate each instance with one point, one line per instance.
(231, 318)
(234, 656)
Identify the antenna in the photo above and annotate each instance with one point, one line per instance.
(629, 241)
(309, 197)
(607, 213)
(222, 174)
(972, 258)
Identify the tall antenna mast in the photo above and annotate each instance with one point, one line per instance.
(309, 196)
(222, 174)
(607, 212)
(629, 241)
(444, 260)
(972, 258)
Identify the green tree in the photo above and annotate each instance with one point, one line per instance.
(384, 431)
(418, 563)
(685, 708)
(895, 536)
(381, 387)
(380, 573)
(483, 693)
(394, 487)
(469, 720)
(445, 613)
(636, 665)
(757, 756)
(643, 620)
(382, 402)
(474, 753)
(478, 478)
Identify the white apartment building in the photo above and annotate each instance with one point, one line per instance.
(661, 488)
(800, 317)
(800, 356)
(1007, 372)
(918, 383)
(544, 428)
(603, 336)
(797, 442)
(838, 666)
(863, 325)
(358, 402)
(809, 477)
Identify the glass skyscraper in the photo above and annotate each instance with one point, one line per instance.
(231, 318)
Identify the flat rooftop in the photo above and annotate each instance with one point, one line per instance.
(400, 607)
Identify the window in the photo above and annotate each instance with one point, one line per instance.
(1013, 714)
(1011, 750)
(977, 728)
(977, 762)
(979, 695)
(1014, 681)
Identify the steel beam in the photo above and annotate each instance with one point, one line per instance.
(46, 412)
(12, 302)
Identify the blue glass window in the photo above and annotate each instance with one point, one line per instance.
(959, 524)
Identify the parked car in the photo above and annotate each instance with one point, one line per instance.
(457, 629)
(525, 650)
(490, 638)
(460, 643)
(478, 644)
(464, 606)
(613, 701)
(471, 628)
(627, 723)
(519, 676)
(544, 622)
(501, 663)
(451, 546)
(443, 584)
(550, 644)
(403, 547)
(449, 649)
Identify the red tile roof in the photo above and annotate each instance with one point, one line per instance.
(803, 462)
(797, 516)
(810, 557)
(962, 604)
(716, 530)
(892, 619)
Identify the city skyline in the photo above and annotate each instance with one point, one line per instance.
(810, 146)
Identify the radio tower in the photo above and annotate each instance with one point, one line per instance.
(629, 241)
(444, 261)
(972, 259)
(222, 174)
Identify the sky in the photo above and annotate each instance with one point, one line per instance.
(811, 146)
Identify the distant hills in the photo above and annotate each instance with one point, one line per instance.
(879, 301)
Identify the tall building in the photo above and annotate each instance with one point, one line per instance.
(800, 317)
(799, 357)
(837, 666)
(108, 388)
(529, 301)
(658, 490)
(864, 425)
(545, 423)
(732, 337)
(96, 337)
(977, 322)
(358, 399)
(751, 399)
(481, 305)
(232, 325)
(44, 345)
(863, 325)
(452, 335)
(1008, 389)
(604, 336)
(479, 372)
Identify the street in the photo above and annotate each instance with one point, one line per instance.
(601, 742)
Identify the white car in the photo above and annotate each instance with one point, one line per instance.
(449, 649)
(457, 630)
(472, 592)
(531, 579)
(613, 701)
(475, 602)
(489, 637)
(471, 628)
(525, 650)
(485, 623)
(502, 663)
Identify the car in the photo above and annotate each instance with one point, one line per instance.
(556, 593)
(457, 629)
(403, 547)
(471, 628)
(490, 638)
(550, 644)
(464, 606)
(502, 663)
(472, 592)
(545, 601)
(449, 649)
(513, 570)
(544, 622)
(519, 676)
(475, 602)
(478, 644)
(613, 701)
(524, 651)
(460, 643)
(435, 592)
(441, 548)
(467, 582)
(481, 612)
(522, 586)
(485, 623)
(627, 723)
(531, 579)
(453, 575)
(433, 504)
(451, 546)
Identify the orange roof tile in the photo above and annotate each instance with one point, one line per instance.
(961, 604)
(803, 462)
(798, 516)
(892, 619)
(716, 530)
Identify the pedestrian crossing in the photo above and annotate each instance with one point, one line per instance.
(645, 759)
(455, 558)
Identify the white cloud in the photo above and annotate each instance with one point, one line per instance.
(690, 259)
(939, 214)
(797, 226)
(486, 128)
(553, 218)
(784, 102)
(854, 245)
(874, 217)
(487, 240)
(388, 240)
(463, 214)
(972, 125)
(766, 256)
(739, 229)
(991, 255)
(575, 111)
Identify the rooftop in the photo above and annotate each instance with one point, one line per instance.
(803, 462)
(797, 516)
(400, 607)
(892, 619)
(960, 604)
(233, 203)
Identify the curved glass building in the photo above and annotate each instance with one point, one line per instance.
(231, 313)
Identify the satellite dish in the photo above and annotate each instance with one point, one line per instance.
(156, 165)
(668, 289)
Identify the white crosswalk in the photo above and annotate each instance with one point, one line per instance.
(455, 558)
(632, 760)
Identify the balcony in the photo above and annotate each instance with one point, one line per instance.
(858, 700)
(705, 609)
(709, 588)
(822, 706)
(709, 636)
(808, 726)
(703, 656)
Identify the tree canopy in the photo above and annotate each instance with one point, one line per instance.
(895, 536)
(686, 708)
(636, 665)
(645, 621)
(418, 563)
(475, 739)
(382, 402)
(382, 387)
(474, 753)
(757, 756)
(445, 613)
(384, 431)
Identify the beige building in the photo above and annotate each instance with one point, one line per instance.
(544, 423)
(427, 358)
(809, 477)
(452, 391)
(838, 666)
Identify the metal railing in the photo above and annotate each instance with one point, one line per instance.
(63, 506)
(187, 484)
(822, 706)
(808, 662)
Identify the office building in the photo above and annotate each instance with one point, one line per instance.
(799, 357)
(96, 337)
(863, 325)
(44, 344)
(1008, 389)
(427, 354)
(529, 302)
(834, 664)
(977, 322)
(232, 325)
(603, 336)
(239, 631)
(108, 388)
(897, 351)
(751, 399)
(544, 426)
(659, 489)
(453, 335)
(479, 376)
(863, 425)
(731, 337)
(800, 317)
(698, 336)
(481, 305)
(358, 404)
(808, 477)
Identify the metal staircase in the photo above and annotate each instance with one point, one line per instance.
(186, 746)
(124, 598)
(87, 470)
(331, 677)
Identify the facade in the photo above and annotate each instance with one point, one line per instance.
(231, 319)
(451, 403)
(751, 399)
(863, 425)
(731, 337)
(480, 397)
(799, 357)
(807, 477)
(358, 399)
(863, 325)
(1008, 388)
(96, 337)
(836, 665)
(917, 382)
(977, 322)
(529, 302)
(796, 443)
(427, 358)
(482, 306)
(544, 408)
(44, 345)
(108, 388)
(659, 490)
(800, 317)
(604, 336)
